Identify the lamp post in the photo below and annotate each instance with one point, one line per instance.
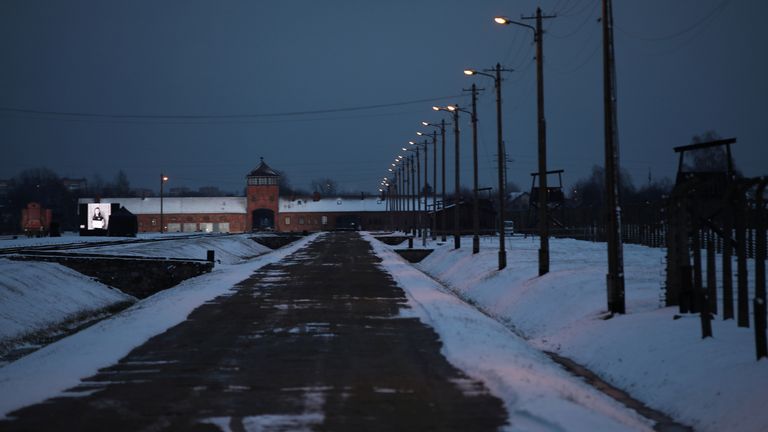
(454, 109)
(423, 214)
(163, 179)
(415, 181)
(501, 156)
(443, 220)
(542, 132)
(434, 180)
(401, 193)
(475, 203)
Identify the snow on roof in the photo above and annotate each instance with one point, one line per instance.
(263, 170)
(178, 205)
(335, 205)
(330, 205)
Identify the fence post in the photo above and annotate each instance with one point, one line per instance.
(761, 346)
(728, 257)
(711, 272)
(698, 285)
(742, 300)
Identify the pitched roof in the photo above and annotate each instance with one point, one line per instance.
(179, 205)
(334, 205)
(263, 170)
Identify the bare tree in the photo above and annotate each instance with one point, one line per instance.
(325, 186)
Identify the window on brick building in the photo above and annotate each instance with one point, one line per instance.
(301, 220)
(287, 220)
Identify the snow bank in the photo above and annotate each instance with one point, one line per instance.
(229, 249)
(66, 238)
(38, 295)
(713, 384)
(59, 366)
(538, 394)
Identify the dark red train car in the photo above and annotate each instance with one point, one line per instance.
(35, 220)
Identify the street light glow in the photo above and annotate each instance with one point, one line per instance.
(451, 108)
(502, 20)
(424, 123)
(411, 143)
(164, 178)
(436, 108)
(419, 133)
(469, 72)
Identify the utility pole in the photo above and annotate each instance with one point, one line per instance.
(418, 194)
(502, 156)
(424, 224)
(500, 144)
(442, 205)
(542, 129)
(475, 206)
(434, 185)
(457, 186)
(615, 276)
(413, 196)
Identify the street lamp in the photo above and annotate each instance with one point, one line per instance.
(423, 215)
(501, 155)
(454, 109)
(443, 220)
(416, 189)
(163, 179)
(542, 130)
(434, 179)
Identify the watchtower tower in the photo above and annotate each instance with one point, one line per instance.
(262, 196)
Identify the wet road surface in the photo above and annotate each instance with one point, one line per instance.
(312, 343)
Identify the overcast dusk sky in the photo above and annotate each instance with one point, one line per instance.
(201, 89)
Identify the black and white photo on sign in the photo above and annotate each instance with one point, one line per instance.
(98, 216)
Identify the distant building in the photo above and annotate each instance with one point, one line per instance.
(261, 209)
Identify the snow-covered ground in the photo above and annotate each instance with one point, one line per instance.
(229, 249)
(712, 384)
(39, 297)
(59, 366)
(538, 394)
(66, 238)
(35, 296)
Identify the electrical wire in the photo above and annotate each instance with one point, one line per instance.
(208, 118)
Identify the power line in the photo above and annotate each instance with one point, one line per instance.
(194, 117)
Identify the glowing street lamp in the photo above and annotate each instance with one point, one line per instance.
(454, 109)
(501, 155)
(163, 179)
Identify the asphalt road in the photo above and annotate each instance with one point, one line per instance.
(312, 343)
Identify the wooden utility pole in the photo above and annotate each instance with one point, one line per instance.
(615, 276)
(444, 218)
(543, 212)
(457, 186)
(475, 204)
(434, 185)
